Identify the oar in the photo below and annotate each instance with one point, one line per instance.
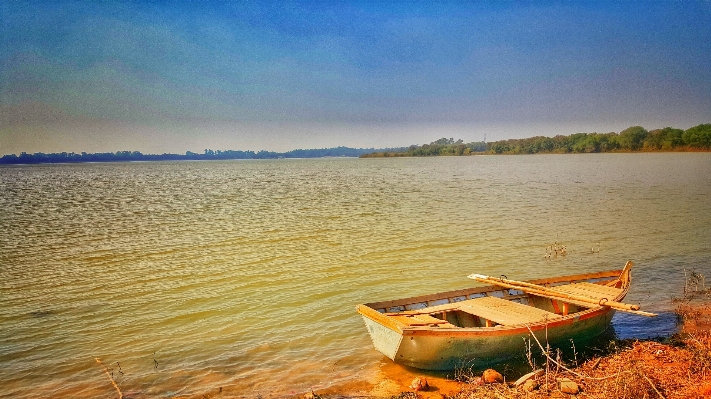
(548, 293)
(519, 284)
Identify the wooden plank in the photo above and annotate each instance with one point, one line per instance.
(593, 291)
(445, 307)
(603, 289)
(431, 297)
(578, 277)
(429, 319)
(409, 321)
(433, 321)
(422, 320)
(505, 312)
(403, 313)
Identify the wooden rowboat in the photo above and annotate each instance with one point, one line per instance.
(479, 326)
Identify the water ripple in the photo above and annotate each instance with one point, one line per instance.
(244, 274)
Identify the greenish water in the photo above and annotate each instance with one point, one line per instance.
(245, 274)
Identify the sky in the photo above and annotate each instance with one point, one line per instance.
(177, 76)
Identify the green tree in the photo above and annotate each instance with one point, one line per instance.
(698, 136)
(663, 139)
(633, 137)
(672, 138)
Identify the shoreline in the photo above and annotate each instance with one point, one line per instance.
(473, 154)
(182, 158)
(678, 366)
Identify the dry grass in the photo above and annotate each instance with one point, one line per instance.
(680, 367)
(646, 369)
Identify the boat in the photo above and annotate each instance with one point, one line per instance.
(480, 326)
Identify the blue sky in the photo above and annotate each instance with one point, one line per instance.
(170, 77)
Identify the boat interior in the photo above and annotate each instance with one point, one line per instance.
(493, 306)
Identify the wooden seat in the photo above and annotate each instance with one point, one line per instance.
(593, 291)
(504, 312)
(447, 307)
(416, 320)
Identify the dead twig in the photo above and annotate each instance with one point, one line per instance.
(653, 386)
(106, 370)
(562, 366)
(597, 363)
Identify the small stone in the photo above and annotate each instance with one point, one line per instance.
(420, 384)
(312, 395)
(567, 386)
(492, 376)
(530, 385)
(528, 376)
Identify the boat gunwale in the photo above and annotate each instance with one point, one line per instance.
(611, 274)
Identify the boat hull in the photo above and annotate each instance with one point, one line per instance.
(430, 332)
(449, 350)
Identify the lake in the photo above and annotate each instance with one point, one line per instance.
(184, 277)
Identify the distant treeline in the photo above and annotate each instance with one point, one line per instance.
(125, 156)
(635, 138)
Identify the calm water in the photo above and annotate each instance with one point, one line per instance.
(245, 274)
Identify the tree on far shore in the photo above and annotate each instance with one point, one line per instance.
(634, 138)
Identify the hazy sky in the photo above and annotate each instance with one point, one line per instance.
(252, 75)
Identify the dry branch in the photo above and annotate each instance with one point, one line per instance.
(653, 386)
(562, 366)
